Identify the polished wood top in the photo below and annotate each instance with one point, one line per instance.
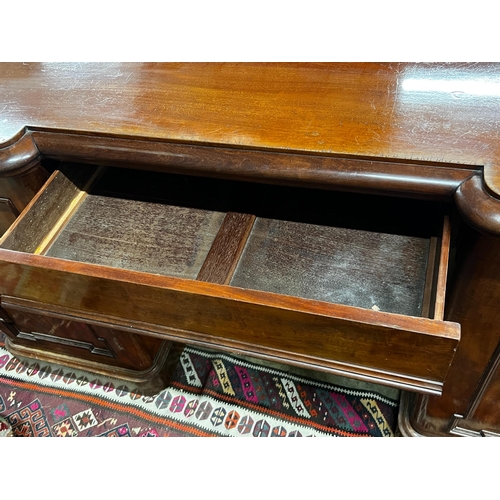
(429, 112)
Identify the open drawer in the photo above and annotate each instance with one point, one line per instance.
(308, 277)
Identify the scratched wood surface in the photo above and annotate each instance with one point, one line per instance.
(419, 111)
(345, 266)
(130, 234)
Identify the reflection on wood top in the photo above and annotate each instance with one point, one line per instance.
(430, 112)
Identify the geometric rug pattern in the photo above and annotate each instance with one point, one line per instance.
(208, 394)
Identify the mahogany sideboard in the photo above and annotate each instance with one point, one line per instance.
(339, 217)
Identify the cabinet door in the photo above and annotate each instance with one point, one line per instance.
(481, 416)
(34, 328)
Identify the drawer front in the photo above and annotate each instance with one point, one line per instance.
(409, 352)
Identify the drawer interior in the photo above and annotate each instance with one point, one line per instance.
(348, 283)
(345, 266)
(357, 250)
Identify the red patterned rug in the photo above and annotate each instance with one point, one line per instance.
(207, 394)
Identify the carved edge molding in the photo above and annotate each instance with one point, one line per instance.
(478, 207)
(19, 156)
(465, 184)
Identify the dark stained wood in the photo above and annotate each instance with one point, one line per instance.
(226, 248)
(437, 273)
(473, 298)
(379, 128)
(137, 235)
(365, 269)
(35, 328)
(4, 317)
(28, 353)
(180, 337)
(482, 414)
(66, 337)
(477, 206)
(114, 229)
(18, 156)
(375, 175)
(8, 214)
(480, 417)
(415, 350)
(21, 188)
(430, 276)
(9, 330)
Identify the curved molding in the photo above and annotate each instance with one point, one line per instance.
(477, 206)
(424, 180)
(492, 179)
(436, 181)
(18, 156)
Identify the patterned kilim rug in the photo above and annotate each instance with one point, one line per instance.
(208, 394)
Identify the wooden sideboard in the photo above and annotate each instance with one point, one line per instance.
(341, 217)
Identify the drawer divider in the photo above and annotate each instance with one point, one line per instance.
(226, 250)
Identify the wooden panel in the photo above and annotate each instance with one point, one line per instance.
(4, 317)
(442, 277)
(416, 351)
(365, 109)
(21, 188)
(9, 330)
(359, 268)
(437, 273)
(46, 210)
(145, 376)
(405, 178)
(60, 333)
(137, 235)
(474, 298)
(429, 296)
(485, 416)
(8, 214)
(63, 336)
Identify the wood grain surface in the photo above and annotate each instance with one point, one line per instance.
(416, 351)
(341, 265)
(130, 234)
(21, 188)
(423, 130)
(472, 300)
(430, 112)
(41, 215)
